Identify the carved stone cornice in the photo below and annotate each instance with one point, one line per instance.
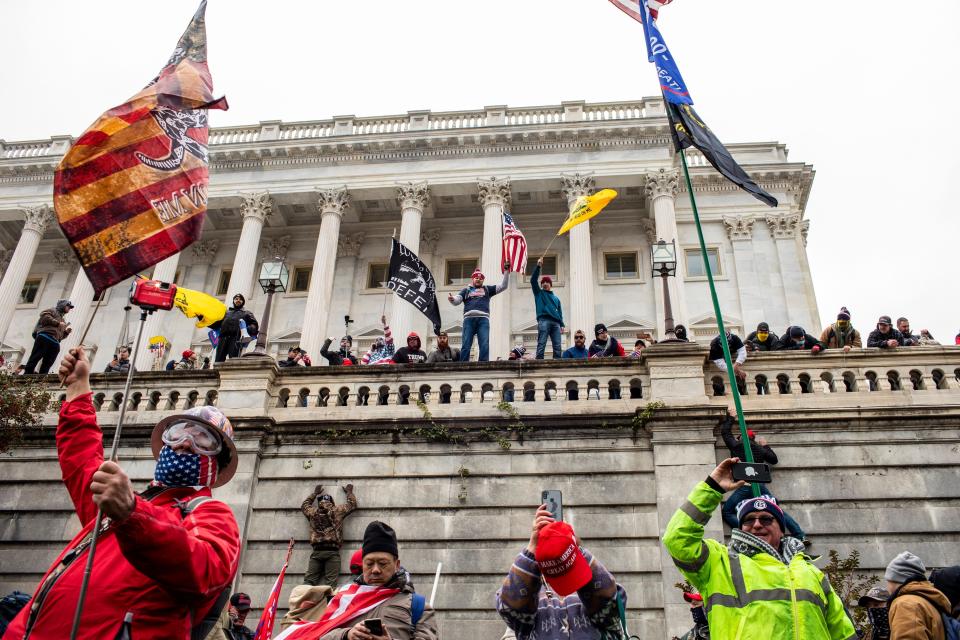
(413, 195)
(38, 218)
(348, 244)
(784, 225)
(256, 205)
(429, 240)
(205, 250)
(275, 247)
(63, 257)
(576, 185)
(335, 200)
(649, 228)
(739, 227)
(663, 182)
(804, 230)
(494, 191)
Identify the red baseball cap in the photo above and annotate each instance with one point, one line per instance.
(692, 597)
(561, 562)
(356, 562)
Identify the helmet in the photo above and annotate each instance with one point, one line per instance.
(210, 417)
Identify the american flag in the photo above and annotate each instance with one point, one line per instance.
(265, 627)
(633, 9)
(351, 602)
(514, 245)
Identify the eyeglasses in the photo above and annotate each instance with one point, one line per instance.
(202, 439)
(765, 521)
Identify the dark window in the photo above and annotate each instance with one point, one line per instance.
(695, 262)
(549, 266)
(459, 272)
(224, 282)
(30, 290)
(621, 266)
(377, 275)
(301, 279)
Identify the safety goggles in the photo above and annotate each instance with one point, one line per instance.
(766, 521)
(203, 439)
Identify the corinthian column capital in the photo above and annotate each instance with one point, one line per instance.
(37, 218)
(256, 205)
(663, 182)
(784, 225)
(334, 200)
(413, 195)
(739, 227)
(494, 191)
(348, 244)
(577, 185)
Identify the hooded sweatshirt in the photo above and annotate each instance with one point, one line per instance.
(412, 353)
(915, 610)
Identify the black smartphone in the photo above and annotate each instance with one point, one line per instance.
(554, 501)
(752, 472)
(374, 626)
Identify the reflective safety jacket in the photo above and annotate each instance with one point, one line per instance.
(752, 598)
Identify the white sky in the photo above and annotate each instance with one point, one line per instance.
(864, 91)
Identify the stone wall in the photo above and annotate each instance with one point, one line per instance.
(873, 471)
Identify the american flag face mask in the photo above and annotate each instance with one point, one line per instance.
(185, 469)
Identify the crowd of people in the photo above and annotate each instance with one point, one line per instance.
(168, 554)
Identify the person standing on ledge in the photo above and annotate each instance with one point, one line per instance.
(51, 329)
(476, 312)
(326, 534)
(549, 313)
(229, 344)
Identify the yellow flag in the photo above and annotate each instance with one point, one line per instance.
(196, 304)
(585, 207)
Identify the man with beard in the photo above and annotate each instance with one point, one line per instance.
(229, 344)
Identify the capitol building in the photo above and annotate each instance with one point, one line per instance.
(868, 441)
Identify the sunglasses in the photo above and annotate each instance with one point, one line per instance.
(766, 521)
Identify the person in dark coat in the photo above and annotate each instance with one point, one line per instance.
(841, 334)
(762, 452)
(229, 343)
(341, 356)
(795, 338)
(120, 362)
(51, 329)
(763, 339)
(885, 336)
(605, 346)
(412, 353)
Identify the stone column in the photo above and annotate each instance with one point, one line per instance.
(661, 190)
(36, 221)
(785, 229)
(494, 197)
(750, 290)
(331, 203)
(582, 311)
(81, 295)
(159, 322)
(413, 198)
(255, 209)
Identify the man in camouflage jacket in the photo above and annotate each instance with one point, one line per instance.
(326, 535)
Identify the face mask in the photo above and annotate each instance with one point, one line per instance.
(798, 342)
(185, 469)
(699, 616)
(843, 324)
(880, 621)
(762, 336)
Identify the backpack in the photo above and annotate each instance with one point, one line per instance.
(418, 602)
(201, 629)
(10, 606)
(951, 627)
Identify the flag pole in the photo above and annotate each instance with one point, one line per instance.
(744, 437)
(87, 329)
(436, 581)
(550, 244)
(386, 289)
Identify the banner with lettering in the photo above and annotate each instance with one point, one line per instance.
(412, 282)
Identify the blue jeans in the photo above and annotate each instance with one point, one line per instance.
(548, 327)
(729, 511)
(479, 327)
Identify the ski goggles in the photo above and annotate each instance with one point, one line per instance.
(203, 439)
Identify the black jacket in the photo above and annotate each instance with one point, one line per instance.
(877, 339)
(230, 325)
(760, 453)
(768, 345)
(406, 355)
(786, 343)
(336, 357)
(716, 349)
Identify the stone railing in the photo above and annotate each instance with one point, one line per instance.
(674, 374)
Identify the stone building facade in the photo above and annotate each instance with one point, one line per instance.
(327, 196)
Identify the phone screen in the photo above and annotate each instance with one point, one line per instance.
(554, 501)
(374, 626)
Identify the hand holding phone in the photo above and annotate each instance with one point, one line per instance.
(374, 626)
(554, 501)
(752, 472)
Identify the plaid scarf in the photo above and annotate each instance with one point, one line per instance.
(750, 545)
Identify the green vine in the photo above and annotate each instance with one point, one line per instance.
(433, 431)
(643, 416)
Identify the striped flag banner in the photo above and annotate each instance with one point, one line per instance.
(633, 9)
(514, 245)
(132, 190)
(268, 619)
(350, 602)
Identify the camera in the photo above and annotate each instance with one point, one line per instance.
(152, 295)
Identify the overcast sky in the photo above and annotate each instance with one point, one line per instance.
(865, 91)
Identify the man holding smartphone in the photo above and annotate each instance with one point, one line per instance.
(557, 590)
(762, 585)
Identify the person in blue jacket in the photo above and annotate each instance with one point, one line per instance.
(549, 312)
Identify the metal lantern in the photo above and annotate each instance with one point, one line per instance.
(274, 275)
(665, 258)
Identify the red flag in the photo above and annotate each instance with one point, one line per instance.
(132, 190)
(268, 619)
(350, 602)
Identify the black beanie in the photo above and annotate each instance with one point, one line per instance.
(597, 328)
(380, 536)
(243, 300)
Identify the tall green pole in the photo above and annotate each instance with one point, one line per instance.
(747, 449)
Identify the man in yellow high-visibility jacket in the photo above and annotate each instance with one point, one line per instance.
(761, 586)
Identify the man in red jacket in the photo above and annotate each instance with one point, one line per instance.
(164, 555)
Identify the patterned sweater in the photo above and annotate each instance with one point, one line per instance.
(326, 519)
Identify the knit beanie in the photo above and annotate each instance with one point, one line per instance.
(597, 328)
(905, 567)
(844, 314)
(243, 300)
(380, 536)
(947, 580)
(765, 503)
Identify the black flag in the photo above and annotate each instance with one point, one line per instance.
(412, 281)
(688, 129)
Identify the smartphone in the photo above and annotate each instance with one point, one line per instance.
(752, 472)
(374, 626)
(554, 501)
